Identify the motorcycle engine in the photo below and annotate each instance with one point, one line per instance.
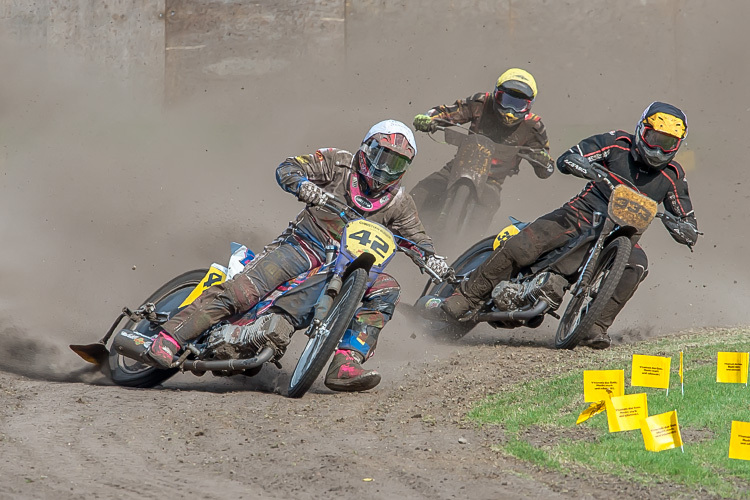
(236, 342)
(508, 296)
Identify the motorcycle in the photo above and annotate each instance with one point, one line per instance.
(321, 301)
(468, 200)
(589, 267)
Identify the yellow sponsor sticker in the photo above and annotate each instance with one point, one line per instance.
(215, 275)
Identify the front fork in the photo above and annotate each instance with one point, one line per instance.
(331, 290)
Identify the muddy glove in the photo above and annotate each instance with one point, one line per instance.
(311, 194)
(681, 231)
(580, 167)
(424, 123)
(437, 265)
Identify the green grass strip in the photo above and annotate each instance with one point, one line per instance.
(539, 417)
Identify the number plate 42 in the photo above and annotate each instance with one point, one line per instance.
(363, 236)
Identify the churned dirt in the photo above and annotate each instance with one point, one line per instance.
(106, 195)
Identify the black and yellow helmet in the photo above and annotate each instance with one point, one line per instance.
(514, 94)
(659, 133)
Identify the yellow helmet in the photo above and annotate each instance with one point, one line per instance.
(515, 92)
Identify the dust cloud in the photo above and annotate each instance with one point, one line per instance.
(107, 194)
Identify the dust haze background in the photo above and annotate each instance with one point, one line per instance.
(107, 194)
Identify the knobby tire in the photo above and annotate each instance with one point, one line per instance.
(583, 311)
(318, 351)
(131, 373)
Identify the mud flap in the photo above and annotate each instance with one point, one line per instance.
(93, 353)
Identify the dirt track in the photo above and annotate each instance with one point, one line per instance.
(212, 439)
(104, 198)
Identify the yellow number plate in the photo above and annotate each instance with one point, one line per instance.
(215, 275)
(504, 235)
(365, 236)
(629, 208)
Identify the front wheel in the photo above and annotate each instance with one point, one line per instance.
(167, 299)
(458, 213)
(585, 307)
(326, 336)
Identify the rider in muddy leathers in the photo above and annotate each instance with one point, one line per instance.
(644, 159)
(370, 181)
(505, 117)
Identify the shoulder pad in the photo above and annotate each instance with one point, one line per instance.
(341, 157)
(479, 97)
(676, 168)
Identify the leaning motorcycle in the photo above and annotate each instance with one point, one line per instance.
(468, 198)
(322, 302)
(588, 267)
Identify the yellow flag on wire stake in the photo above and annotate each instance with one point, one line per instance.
(592, 410)
(682, 376)
(661, 432)
(739, 440)
(624, 413)
(731, 367)
(601, 384)
(650, 371)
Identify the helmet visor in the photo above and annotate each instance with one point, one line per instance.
(388, 162)
(655, 139)
(508, 101)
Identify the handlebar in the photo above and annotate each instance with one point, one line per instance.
(348, 214)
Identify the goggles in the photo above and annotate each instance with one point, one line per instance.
(655, 139)
(508, 101)
(384, 160)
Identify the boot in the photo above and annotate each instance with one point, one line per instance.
(597, 338)
(345, 373)
(162, 351)
(458, 306)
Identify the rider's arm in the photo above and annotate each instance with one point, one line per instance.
(316, 167)
(406, 223)
(462, 111)
(539, 157)
(677, 202)
(595, 149)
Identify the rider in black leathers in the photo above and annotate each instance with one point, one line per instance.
(644, 160)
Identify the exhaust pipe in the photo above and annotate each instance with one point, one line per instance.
(429, 307)
(199, 366)
(134, 345)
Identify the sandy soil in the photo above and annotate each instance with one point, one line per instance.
(106, 196)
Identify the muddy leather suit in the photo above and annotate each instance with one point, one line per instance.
(616, 152)
(479, 112)
(302, 247)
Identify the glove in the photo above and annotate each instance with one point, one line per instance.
(311, 194)
(424, 123)
(681, 231)
(580, 167)
(437, 265)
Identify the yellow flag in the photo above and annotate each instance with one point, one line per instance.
(739, 440)
(601, 384)
(661, 432)
(682, 374)
(731, 367)
(650, 371)
(624, 413)
(592, 410)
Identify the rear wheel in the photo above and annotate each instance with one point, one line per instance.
(167, 299)
(585, 307)
(325, 337)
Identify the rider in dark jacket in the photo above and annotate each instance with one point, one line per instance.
(370, 181)
(644, 160)
(504, 116)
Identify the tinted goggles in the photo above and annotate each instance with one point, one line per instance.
(507, 101)
(655, 139)
(386, 160)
